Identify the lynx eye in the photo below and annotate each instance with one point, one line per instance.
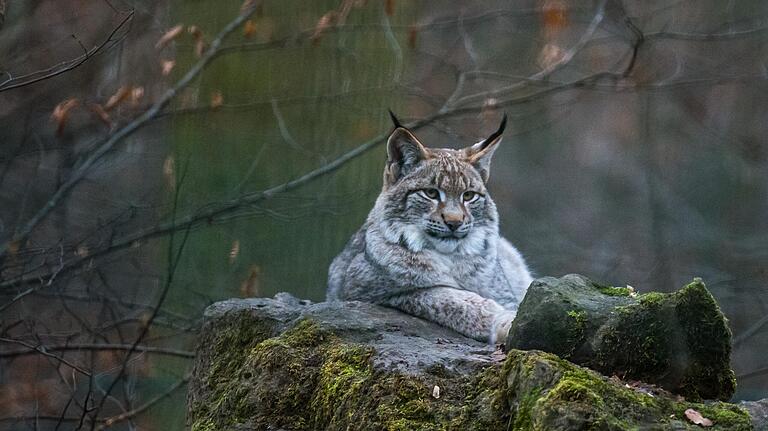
(431, 193)
(469, 196)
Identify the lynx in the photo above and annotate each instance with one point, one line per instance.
(431, 245)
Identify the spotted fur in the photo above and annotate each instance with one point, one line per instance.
(431, 244)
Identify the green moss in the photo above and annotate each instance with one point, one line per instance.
(652, 299)
(614, 291)
(571, 397)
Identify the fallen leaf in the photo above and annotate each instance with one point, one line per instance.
(217, 99)
(697, 418)
(166, 66)
(169, 35)
(249, 28)
(117, 98)
(61, 113)
(436, 392)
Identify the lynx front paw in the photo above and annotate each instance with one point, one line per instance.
(501, 326)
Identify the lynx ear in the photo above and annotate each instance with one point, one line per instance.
(404, 152)
(479, 155)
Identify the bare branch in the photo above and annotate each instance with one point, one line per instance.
(108, 422)
(105, 147)
(65, 66)
(98, 347)
(44, 351)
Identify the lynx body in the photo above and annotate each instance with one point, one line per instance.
(431, 246)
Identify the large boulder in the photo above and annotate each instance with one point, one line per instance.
(679, 341)
(285, 364)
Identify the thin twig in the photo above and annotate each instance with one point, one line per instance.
(44, 351)
(65, 66)
(108, 422)
(99, 347)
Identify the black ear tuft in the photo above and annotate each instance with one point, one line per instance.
(395, 121)
(498, 132)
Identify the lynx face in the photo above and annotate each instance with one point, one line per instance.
(436, 198)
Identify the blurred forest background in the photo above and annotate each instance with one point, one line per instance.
(156, 156)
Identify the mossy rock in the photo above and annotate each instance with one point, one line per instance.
(267, 364)
(680, 341)
(549, 393)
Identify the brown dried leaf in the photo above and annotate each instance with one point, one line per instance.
(169, 172)
(166, 66)
(61, 113)
(389, 7)
(247, 5)
(249, 28)
(217, 99)
(696, 417)
(199, 47)
(81, 251)
(234, 251)
(554, 16)
(250, 286)
(323, 24)
(117, 98)
(101, 113)
(413, 34)
(195, 31)
(13, 247)
(550, 55)
(136, 94)
(169, 35)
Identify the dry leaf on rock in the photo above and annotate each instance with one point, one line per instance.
(696, 417)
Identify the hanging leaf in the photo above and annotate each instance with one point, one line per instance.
(136, 94)
(169, 35)
(166, 66)
(217, 99)
(247, 5)
(550, 55)
(413, 34)
(250, 288)
(234, 251)
(325, 22)
(389, 7)
(554, 16)
(169, 172)
(249, 28)
(200, 44)
(61, 113)
(117, 98)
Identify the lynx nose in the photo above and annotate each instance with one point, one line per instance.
(453, 224)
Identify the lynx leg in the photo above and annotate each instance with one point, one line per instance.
(465, 312)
